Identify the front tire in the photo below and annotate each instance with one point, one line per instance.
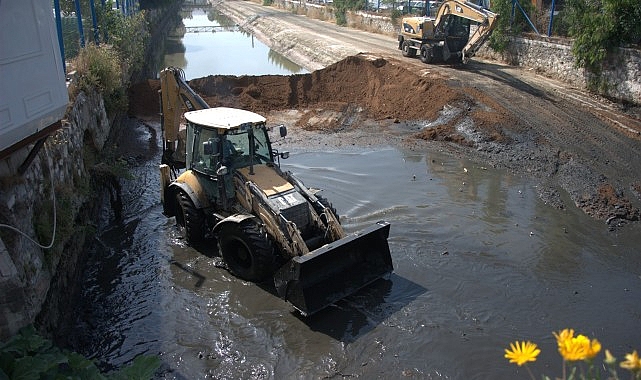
(190, 219)
(406, 48)
(247, 251)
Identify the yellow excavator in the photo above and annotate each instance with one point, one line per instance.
(456, 33)
(267, 224)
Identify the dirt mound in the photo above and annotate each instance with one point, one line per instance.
(144, 99)
(374, 88)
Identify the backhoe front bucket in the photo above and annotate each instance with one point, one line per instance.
(334, 271)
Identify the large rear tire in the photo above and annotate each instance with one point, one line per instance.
(190, 219)
(427, 54)
(247, 251)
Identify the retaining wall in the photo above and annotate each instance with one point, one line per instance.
(26, 270)
(621, 76)
(36, 284)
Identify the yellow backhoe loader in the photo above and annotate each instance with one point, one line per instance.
(267, 224)
(456, 33)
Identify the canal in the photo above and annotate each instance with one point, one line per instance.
(210, 44)
(480, 261)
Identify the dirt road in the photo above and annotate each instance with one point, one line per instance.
(503, 116)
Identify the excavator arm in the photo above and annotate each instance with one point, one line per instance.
(464, 9)
(176, 98)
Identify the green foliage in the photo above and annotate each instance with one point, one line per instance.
(268, 2)
(99, 67)
(600, 26)
(342, 6)
(30, 356)
(500, 38)
(341, 16)
(127, 34)
(560, 25)
(395, 15)
(43, 219)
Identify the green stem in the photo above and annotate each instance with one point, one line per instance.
(530, 372)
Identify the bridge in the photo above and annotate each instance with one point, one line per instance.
(211, 29)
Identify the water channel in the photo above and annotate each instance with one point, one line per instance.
(480, 261)
(211, 44)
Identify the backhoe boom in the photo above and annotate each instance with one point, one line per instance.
(449, 33)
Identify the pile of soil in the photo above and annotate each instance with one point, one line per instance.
(372, 87)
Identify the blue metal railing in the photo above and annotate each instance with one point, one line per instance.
(72, 38)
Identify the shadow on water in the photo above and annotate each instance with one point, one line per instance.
(352, 317)
(208, 248)
(200, 278)
(345, 320)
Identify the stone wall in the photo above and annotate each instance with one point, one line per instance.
(26, 203)
(36, 284)
(621, 77)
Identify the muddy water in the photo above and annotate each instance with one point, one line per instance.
(479, 261)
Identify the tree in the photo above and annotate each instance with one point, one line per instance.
(506, 25)
(599, 27)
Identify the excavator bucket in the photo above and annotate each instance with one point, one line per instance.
(334, 271)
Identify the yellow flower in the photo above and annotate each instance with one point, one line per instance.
(573, 348)
(591, 348)
(609, 358)
(563, 335)
(522, 352)
(632, 362)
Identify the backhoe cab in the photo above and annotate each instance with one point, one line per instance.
(267, 224)
(456, 33)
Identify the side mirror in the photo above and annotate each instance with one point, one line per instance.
(222, 170)
(284, 155)
(283, 131)
(208, 147)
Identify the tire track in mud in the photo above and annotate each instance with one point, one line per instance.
(593, 161)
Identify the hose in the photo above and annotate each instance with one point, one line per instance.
(53, 197)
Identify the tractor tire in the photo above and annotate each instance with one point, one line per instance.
(407, 51)
(190, 219)
(427, 54)
(247, 251)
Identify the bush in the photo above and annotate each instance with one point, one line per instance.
(29, 356)
(599, 27)
(500, 38)
(342, 6)
(99, 67)
(128, 35)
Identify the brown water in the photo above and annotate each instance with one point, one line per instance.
(479, 261)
